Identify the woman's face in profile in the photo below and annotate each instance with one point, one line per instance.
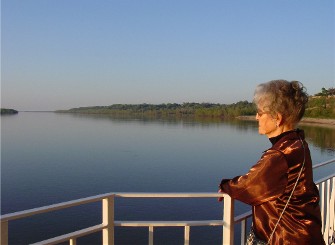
(266, 123)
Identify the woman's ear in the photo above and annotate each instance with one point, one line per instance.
(279, 119)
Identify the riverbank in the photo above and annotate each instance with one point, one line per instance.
(304, 121)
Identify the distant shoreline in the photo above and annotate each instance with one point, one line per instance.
(5, 111)
(304, 121)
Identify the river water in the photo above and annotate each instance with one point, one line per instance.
(47, 158)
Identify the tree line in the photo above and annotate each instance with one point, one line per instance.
(5, 111)
(170, 109)
(321, 105)
(326, 92)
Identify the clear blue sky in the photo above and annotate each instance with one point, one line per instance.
(60, 54)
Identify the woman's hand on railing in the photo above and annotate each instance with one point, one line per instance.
(220, 199)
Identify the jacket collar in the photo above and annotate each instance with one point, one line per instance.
(297, 132)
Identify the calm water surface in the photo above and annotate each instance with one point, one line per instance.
(48, 158)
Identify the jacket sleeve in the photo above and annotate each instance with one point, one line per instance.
(265, 180)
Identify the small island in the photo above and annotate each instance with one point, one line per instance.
(5, 111)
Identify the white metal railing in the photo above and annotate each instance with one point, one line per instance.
(326, 188)
(327, 202)
(108, 222)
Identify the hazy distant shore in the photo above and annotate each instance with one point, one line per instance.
(306, 120)
(5, 111)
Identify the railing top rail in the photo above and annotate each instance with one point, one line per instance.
(170, 223)
(243, 216)
(168, 194)
(54, 207)
(324, 163)
(62, 205)
(325, 178)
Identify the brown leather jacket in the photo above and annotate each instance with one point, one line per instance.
(267, 187)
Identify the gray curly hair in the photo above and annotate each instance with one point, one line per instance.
(284, 97)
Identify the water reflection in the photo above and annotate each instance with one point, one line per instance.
(185, 121)
(320, 136)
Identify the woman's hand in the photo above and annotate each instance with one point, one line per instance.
(220, 199)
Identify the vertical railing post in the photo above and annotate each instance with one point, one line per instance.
(151, 235)
(108, 220)
(322, 192)
(228, 221)
(331, 213)
(243, 230)
(73, 241)
(4, 233)
(326, 208)
(187, 235)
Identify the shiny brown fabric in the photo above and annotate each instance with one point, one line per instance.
(267, 187)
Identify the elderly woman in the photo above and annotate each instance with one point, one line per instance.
(280, 187)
